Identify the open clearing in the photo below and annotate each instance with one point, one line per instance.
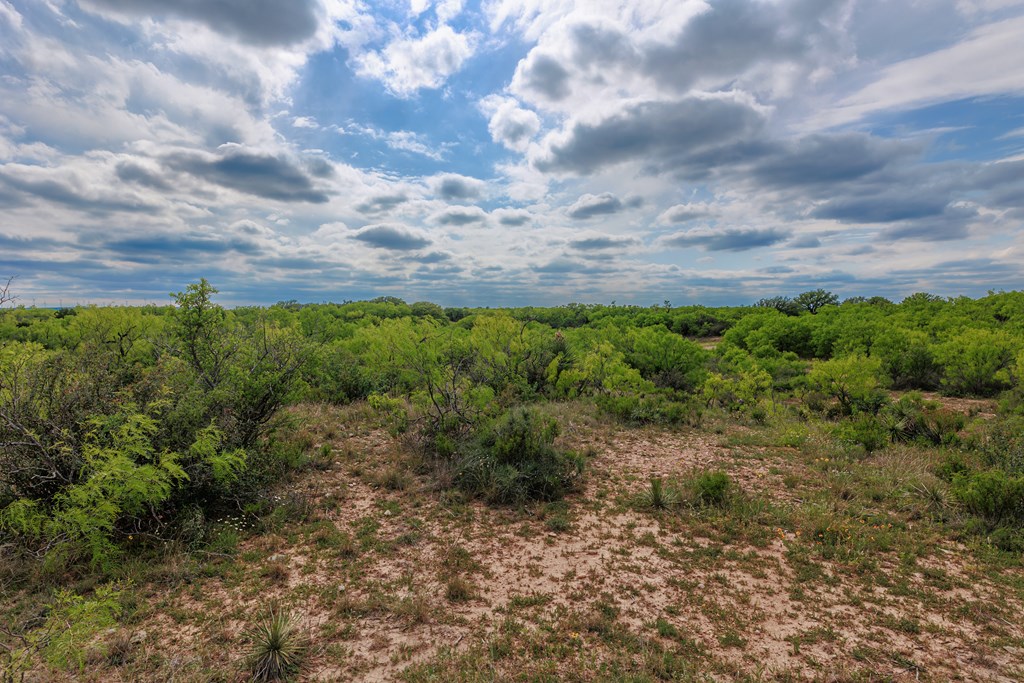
(798, 577)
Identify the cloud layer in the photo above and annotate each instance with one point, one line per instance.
(511, 151)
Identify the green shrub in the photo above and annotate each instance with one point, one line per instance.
(852, 381)
(993, 495)
(865, 430)
(977, 362)
(950, 467)
(515, 461)
(711, 489)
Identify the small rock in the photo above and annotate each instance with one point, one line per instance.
(138, 638)
(277, 558)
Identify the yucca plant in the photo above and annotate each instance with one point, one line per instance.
(277, 648)
(660, 496)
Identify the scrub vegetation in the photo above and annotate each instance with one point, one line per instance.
(803, 489)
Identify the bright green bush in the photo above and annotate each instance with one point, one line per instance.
(711, 489)
(993, 495)
(865, 430)
(852, 381)
(977, 362)
(515, 461)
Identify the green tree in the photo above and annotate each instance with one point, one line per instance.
(203, 333)
(782, 304)
(813, 301)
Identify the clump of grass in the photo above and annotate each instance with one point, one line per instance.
(556, 517)
(459, 590)
(275, 572)
(659, 495)
(393, 479)
(276, 647)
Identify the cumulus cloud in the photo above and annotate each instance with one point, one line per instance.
(513, 217)
(67, 188)
(542, 75)
(510, 125)
(682, 213)
(589, 205)
(252, 172)
(409, 64)
(381, 203)
(451, 186)
(461, 215)
(264, 22)
(692, 135)
(391, 236)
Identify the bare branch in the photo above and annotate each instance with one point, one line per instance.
(5, 292)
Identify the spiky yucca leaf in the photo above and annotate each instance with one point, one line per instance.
(660, 496)
(277, 647)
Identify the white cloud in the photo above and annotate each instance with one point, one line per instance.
(409, 64)
(510, 124)
(987, 62)
(10, 15)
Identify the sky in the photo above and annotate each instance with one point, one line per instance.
(510, 152)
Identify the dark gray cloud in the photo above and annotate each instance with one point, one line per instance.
(562, 265)
(590, 205)
(699, 133)
(62, 192)
(461, 215)
(451, 186)
(728, 239)
(734, 35)
(259, 22)
(885, 208)
(600, 45)
(827, 159)
(394, 237)
(513, 218)
(544, 75)
(433, 257)
(953, 224)
(599, 243)
(143, 248)
(263, 175)
(381, 203)
(559, 265)
(134, 173)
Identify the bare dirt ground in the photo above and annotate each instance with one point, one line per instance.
(389, 576)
